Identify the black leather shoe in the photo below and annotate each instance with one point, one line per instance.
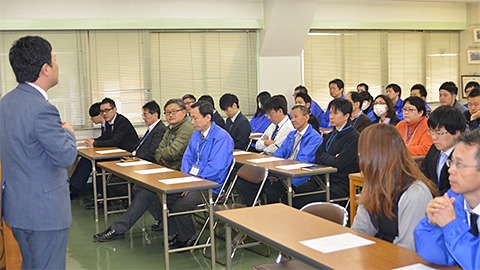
(92, 206)
(157, 227)
(108, 235)
(175, 243)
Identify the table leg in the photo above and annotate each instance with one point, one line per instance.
(105, 206)
(228, 245)
(353, 203)
(163, 198)
(327, 183)
(212, 232)
(290, 191)
(94, 181)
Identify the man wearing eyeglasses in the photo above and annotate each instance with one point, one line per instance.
(448, 235)
(445, 125)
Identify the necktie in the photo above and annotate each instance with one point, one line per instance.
(473, 224)
(203, 137)
(441, 161)
(295, 146)
(275, 132)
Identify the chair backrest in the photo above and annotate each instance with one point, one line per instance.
(329, 211)
(253, 174)
(225, 183)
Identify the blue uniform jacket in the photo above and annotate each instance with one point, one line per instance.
(325, 120)
(370, 114)
(316, 110)
(214, 154)
(260, 123)
(399, 108)
(309, 143)
(452, 244)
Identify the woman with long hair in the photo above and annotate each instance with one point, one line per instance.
(384, 111)
(260, 121)
(395, 193)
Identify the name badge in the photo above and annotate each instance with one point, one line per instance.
(194, 170)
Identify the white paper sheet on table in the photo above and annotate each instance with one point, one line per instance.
(180, 180)
(237, 153)
(261, 160)
(336, 242)
(293, 166)
(417, 266)
(256, 134)
(103, 152)
(153, 171)
(82, 147)
(133, 163)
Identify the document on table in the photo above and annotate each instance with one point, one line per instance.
(82, 147)
(417, 266)
(256, 134)
(103, 152)
(336, 242)
(154, 171)
(133, 163)
(261, 160)
(180, 180)
(293, 166)
(237, 153)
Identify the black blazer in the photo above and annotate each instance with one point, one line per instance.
(393, 121)
(313, 120)
(240, 131)
(429, 168)
(122, 135)
(218, 119)
(150, 144)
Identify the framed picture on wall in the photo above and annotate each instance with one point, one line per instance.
(476, 34)
(466, 79)
(473, 56)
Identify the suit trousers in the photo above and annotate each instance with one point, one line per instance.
(143, 200)
(42, 249)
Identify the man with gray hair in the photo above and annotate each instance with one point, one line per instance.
(448, 235)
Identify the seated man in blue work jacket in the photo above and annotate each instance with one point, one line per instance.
(209, 155)
(448, 235)
(299, 145)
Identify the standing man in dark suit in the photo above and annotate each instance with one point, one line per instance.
(217, 118)
(445, 123)
(36, 148)
(118, 132)
(237, 124)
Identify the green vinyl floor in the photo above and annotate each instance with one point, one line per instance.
(140, 249)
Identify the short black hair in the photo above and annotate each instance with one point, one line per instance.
(449, 117)
(302, 108)
(356, 97)
(275, 103)
(475, 92)
(108, 101)
(227, 100)
(364, 85)
(338, 82)
(420, 87)
(301, 89)
(94, 109)
(27, 57)
(471, 137)
(209, 99)
(418, 103)
(305, 97)
(177, 101)
(340, 104)
(204, 108)
(471, 84)
(152, 107)
(396, 88)
(450, 87)
(190, 96)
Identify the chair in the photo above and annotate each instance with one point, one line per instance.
(255, 175)
(326, 210)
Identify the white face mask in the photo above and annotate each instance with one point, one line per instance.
(364, 105)
(260, 105)
(379, 109)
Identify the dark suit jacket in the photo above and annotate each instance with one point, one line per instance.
(429, 168)
(35, 152)
(239, 130)
(314, 122)
(218, 119)
(393, 121)
(123, 135)
(150, 144)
